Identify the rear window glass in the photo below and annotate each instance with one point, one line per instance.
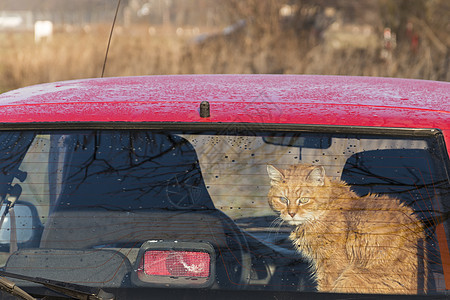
(252, 210)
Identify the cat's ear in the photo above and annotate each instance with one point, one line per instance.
(274, 174)
(317, 176)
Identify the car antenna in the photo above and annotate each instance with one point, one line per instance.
(110, 36)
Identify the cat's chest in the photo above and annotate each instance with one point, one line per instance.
(312, 241)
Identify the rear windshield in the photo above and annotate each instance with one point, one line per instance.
(226, 210)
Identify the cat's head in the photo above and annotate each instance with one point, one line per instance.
(298, 193)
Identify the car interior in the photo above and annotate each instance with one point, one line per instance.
(113, 196)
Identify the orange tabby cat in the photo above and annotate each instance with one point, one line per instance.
(370, 244)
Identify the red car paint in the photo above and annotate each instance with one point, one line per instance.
(270, 99)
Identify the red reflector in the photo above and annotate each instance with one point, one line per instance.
(176, 263)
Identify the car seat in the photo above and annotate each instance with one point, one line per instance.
(410, 175)
(123, 188)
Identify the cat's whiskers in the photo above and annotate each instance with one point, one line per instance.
(276, 225)
(275, 222)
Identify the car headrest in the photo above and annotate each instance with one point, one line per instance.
(409, 175)
(128, 170)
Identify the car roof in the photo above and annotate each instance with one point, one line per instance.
(271, 99)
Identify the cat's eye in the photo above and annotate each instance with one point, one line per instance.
(303, 200)
(284, 200)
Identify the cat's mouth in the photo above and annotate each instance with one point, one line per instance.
(294, 221)
(297, 219)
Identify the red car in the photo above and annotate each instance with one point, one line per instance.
(225, 186)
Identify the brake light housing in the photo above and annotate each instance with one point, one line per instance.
(174, 263)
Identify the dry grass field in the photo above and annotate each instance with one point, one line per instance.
(138, 50)
(80, 54)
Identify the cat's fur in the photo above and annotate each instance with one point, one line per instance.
(370, 244)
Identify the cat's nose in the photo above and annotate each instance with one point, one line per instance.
(292, 214)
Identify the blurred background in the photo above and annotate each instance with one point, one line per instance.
(52, 40)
